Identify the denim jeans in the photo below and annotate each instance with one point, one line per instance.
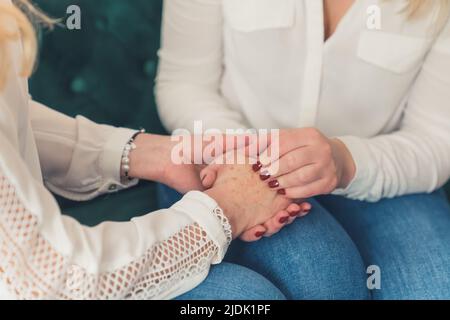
(228, 281)
(326, 254)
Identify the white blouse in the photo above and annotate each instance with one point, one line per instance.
(264, 64)
(45, 255)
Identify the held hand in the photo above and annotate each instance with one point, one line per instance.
(245, 200)
(151, 160)
(309, 164)
(285, 211)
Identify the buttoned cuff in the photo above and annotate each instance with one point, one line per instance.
(110, 161)
(200, 208)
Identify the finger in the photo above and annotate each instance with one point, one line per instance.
(294, 209)
(298, 211)
(239, 141)
(286, 141)
(305, 208)
(276, 223)
(253, 234)
(291, 161)
(215, 145)
(299, 177)
(208, 175)
(316, 188)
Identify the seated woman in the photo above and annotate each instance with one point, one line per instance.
(161, 255)
(361, 90)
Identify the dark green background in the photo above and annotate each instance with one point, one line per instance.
(105, 72)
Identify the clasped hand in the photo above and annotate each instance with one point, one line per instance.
(260, 199)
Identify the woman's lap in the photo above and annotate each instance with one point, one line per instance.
(407, 237)
(319, 257)
(228, 281)
(313, 258)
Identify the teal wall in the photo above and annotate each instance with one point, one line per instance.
(105, 72)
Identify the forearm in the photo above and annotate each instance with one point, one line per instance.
(79, 158)
(397, 164)
(191, 68)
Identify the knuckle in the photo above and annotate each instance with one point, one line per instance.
(291, 161)
(331, 186)
(301, 176)
(313, 133)
(327, 150)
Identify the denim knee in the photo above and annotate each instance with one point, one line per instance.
(313, 258)
(408, 239)
(229, 281)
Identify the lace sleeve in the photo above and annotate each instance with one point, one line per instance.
(32, 268)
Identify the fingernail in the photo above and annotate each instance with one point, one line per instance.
(283, 220)
(259, 234)
(274, 184)
(304, 213)
(257, 166)
(295, 213)
(264, 175)
(281, 192)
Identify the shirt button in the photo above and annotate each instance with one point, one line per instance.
(112, 187)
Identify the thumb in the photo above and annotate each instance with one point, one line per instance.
(208, 175)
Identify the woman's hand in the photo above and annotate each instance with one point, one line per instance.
(151, 160)
(285, 214)
(308, 164)
(248, 203)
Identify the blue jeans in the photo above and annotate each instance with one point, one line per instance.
(228, 281)
(326, 254)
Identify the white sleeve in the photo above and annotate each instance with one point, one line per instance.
(191, 67)
(416, 158)
(80, 159)
(45, 255)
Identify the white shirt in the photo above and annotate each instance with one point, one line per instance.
(44, 255)
(264, 64)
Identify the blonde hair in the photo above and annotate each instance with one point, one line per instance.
(16, 24)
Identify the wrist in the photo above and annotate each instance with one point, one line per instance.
(236, 224)
(345, 163)
(147, 160)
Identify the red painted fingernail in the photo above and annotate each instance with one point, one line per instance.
(274, 184)
(259, 234)
(283, 220)
(257, 166)
(281, 192)
(264, 176)
(294, 214)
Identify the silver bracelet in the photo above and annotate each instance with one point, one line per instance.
(130, 146)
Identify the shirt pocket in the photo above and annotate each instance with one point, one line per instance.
(257, 15)
(393, 52)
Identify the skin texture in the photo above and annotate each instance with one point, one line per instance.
(247, 202)
(152, 161)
